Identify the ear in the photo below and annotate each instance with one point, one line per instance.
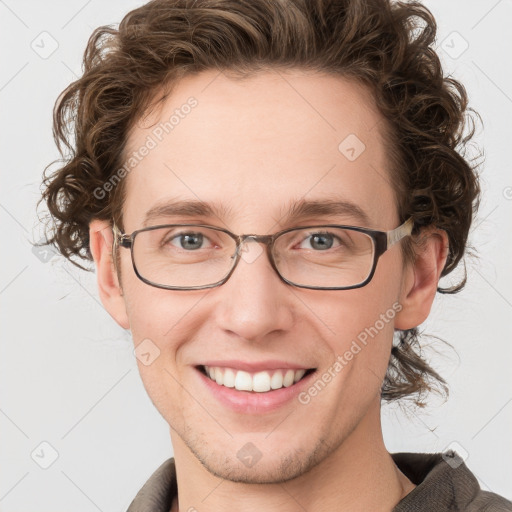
(101, 239)
(421, 278)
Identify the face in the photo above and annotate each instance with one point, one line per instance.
(253, 148)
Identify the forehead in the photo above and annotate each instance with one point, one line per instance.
(256, 145)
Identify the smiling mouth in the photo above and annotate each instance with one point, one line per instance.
(257, 382)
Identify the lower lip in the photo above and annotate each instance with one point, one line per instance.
(249, 402)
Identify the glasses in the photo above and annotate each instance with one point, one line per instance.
(197, 256)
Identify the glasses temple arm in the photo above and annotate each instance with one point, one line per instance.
(400, 232)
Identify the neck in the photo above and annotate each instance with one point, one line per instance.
(359, 475)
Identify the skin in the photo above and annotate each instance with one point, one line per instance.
(254, 146)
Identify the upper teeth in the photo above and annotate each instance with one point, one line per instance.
(259, 382)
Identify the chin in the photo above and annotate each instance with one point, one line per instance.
(262, 468)
(262, 473)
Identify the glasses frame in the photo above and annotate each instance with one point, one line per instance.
(382, 241)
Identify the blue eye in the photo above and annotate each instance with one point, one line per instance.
(189, 241)
(319, 241)
(322, 241)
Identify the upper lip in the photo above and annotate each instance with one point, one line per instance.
(256, 366)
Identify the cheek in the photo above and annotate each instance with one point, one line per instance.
(363, 333)
(352, 313)
(151, 310)
(161, 315)
(361, 322)
(161, 328)
(164, 323)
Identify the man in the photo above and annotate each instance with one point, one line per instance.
(270, 192)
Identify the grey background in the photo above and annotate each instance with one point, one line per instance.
(67, 371)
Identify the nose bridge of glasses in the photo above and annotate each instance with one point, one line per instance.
(262, 239)
(248, 255)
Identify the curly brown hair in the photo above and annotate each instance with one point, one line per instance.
(385, 46)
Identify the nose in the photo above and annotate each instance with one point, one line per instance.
(254, 302)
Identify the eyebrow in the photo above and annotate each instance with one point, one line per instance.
(295, 212)
(185, 209)
(303, 210)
